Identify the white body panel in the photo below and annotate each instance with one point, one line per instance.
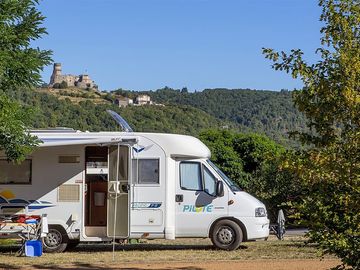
(47, 176)
(199, 210)
(153, 211)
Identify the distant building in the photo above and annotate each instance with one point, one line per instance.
(123, 101)
(82, 81)
(143, 100)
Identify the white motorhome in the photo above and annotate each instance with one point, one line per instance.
(101, 186)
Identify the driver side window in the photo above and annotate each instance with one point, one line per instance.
(190, 176)
(195, 176)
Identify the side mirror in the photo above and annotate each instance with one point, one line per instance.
(219, 189)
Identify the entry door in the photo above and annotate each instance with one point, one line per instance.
(118, 192)
(197, 205)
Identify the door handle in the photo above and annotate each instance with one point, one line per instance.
(125, 188)
(179, 198)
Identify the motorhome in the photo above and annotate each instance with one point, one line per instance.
(105, 186)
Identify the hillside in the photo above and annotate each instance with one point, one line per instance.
(75, 94)
(49, 111)
(267, 112)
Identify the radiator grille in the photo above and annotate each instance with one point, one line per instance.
(69, 193)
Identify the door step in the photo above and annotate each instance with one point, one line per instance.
(98, 231)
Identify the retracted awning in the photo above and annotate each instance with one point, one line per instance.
(61, 141)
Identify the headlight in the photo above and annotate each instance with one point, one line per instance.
(260, 212)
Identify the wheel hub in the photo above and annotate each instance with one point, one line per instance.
(225, 235)
(53, 239)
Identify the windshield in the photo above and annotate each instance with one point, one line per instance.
(234, 187)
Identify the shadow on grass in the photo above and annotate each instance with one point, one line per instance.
(142, 247)
(8, 266)
(11, 250)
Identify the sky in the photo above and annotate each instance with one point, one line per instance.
(198, 44)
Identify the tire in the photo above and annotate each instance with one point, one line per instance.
(226, 235)
(72, 244)
(55, 241)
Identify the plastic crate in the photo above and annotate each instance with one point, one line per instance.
(33, 248)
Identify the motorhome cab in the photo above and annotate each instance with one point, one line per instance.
(100, 186)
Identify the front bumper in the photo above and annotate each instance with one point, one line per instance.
(256, 227)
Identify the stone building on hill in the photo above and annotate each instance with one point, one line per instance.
(143, 100)
(82, 81)
(140, 100)
(123, 101)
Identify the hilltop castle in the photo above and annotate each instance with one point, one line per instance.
(81, 81)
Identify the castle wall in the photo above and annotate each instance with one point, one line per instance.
(69, 79)
(81, 81)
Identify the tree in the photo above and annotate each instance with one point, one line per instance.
(14, 140)
(20, 66)
(267, 112)
(255, 149)
(223, 154)
(184, 90)
(329, 170)
(253, 162)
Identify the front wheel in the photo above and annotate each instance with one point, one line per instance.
(226, 235)
(54, 241)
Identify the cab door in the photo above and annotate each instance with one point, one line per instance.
(118, 192)
(197, 204)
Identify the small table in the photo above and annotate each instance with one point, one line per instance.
(21, 226)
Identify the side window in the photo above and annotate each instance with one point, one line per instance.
(190, 175)
(146, 171)
(209, 182)
(11, 173)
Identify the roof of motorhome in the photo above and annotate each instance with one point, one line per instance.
(174, 145)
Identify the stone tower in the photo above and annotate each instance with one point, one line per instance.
(82, 81)
(56, 73)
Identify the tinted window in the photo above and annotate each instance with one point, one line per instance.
(146, 171)
(190, 176)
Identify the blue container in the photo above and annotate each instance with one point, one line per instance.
(31, 221)
(33, 248)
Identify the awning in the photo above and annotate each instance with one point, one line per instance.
(61, 141)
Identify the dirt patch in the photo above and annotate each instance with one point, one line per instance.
(215, 265)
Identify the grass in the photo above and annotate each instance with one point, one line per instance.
(180, 250)
(97, 97)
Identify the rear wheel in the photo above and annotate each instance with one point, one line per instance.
(226, 235)
(55, 240)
